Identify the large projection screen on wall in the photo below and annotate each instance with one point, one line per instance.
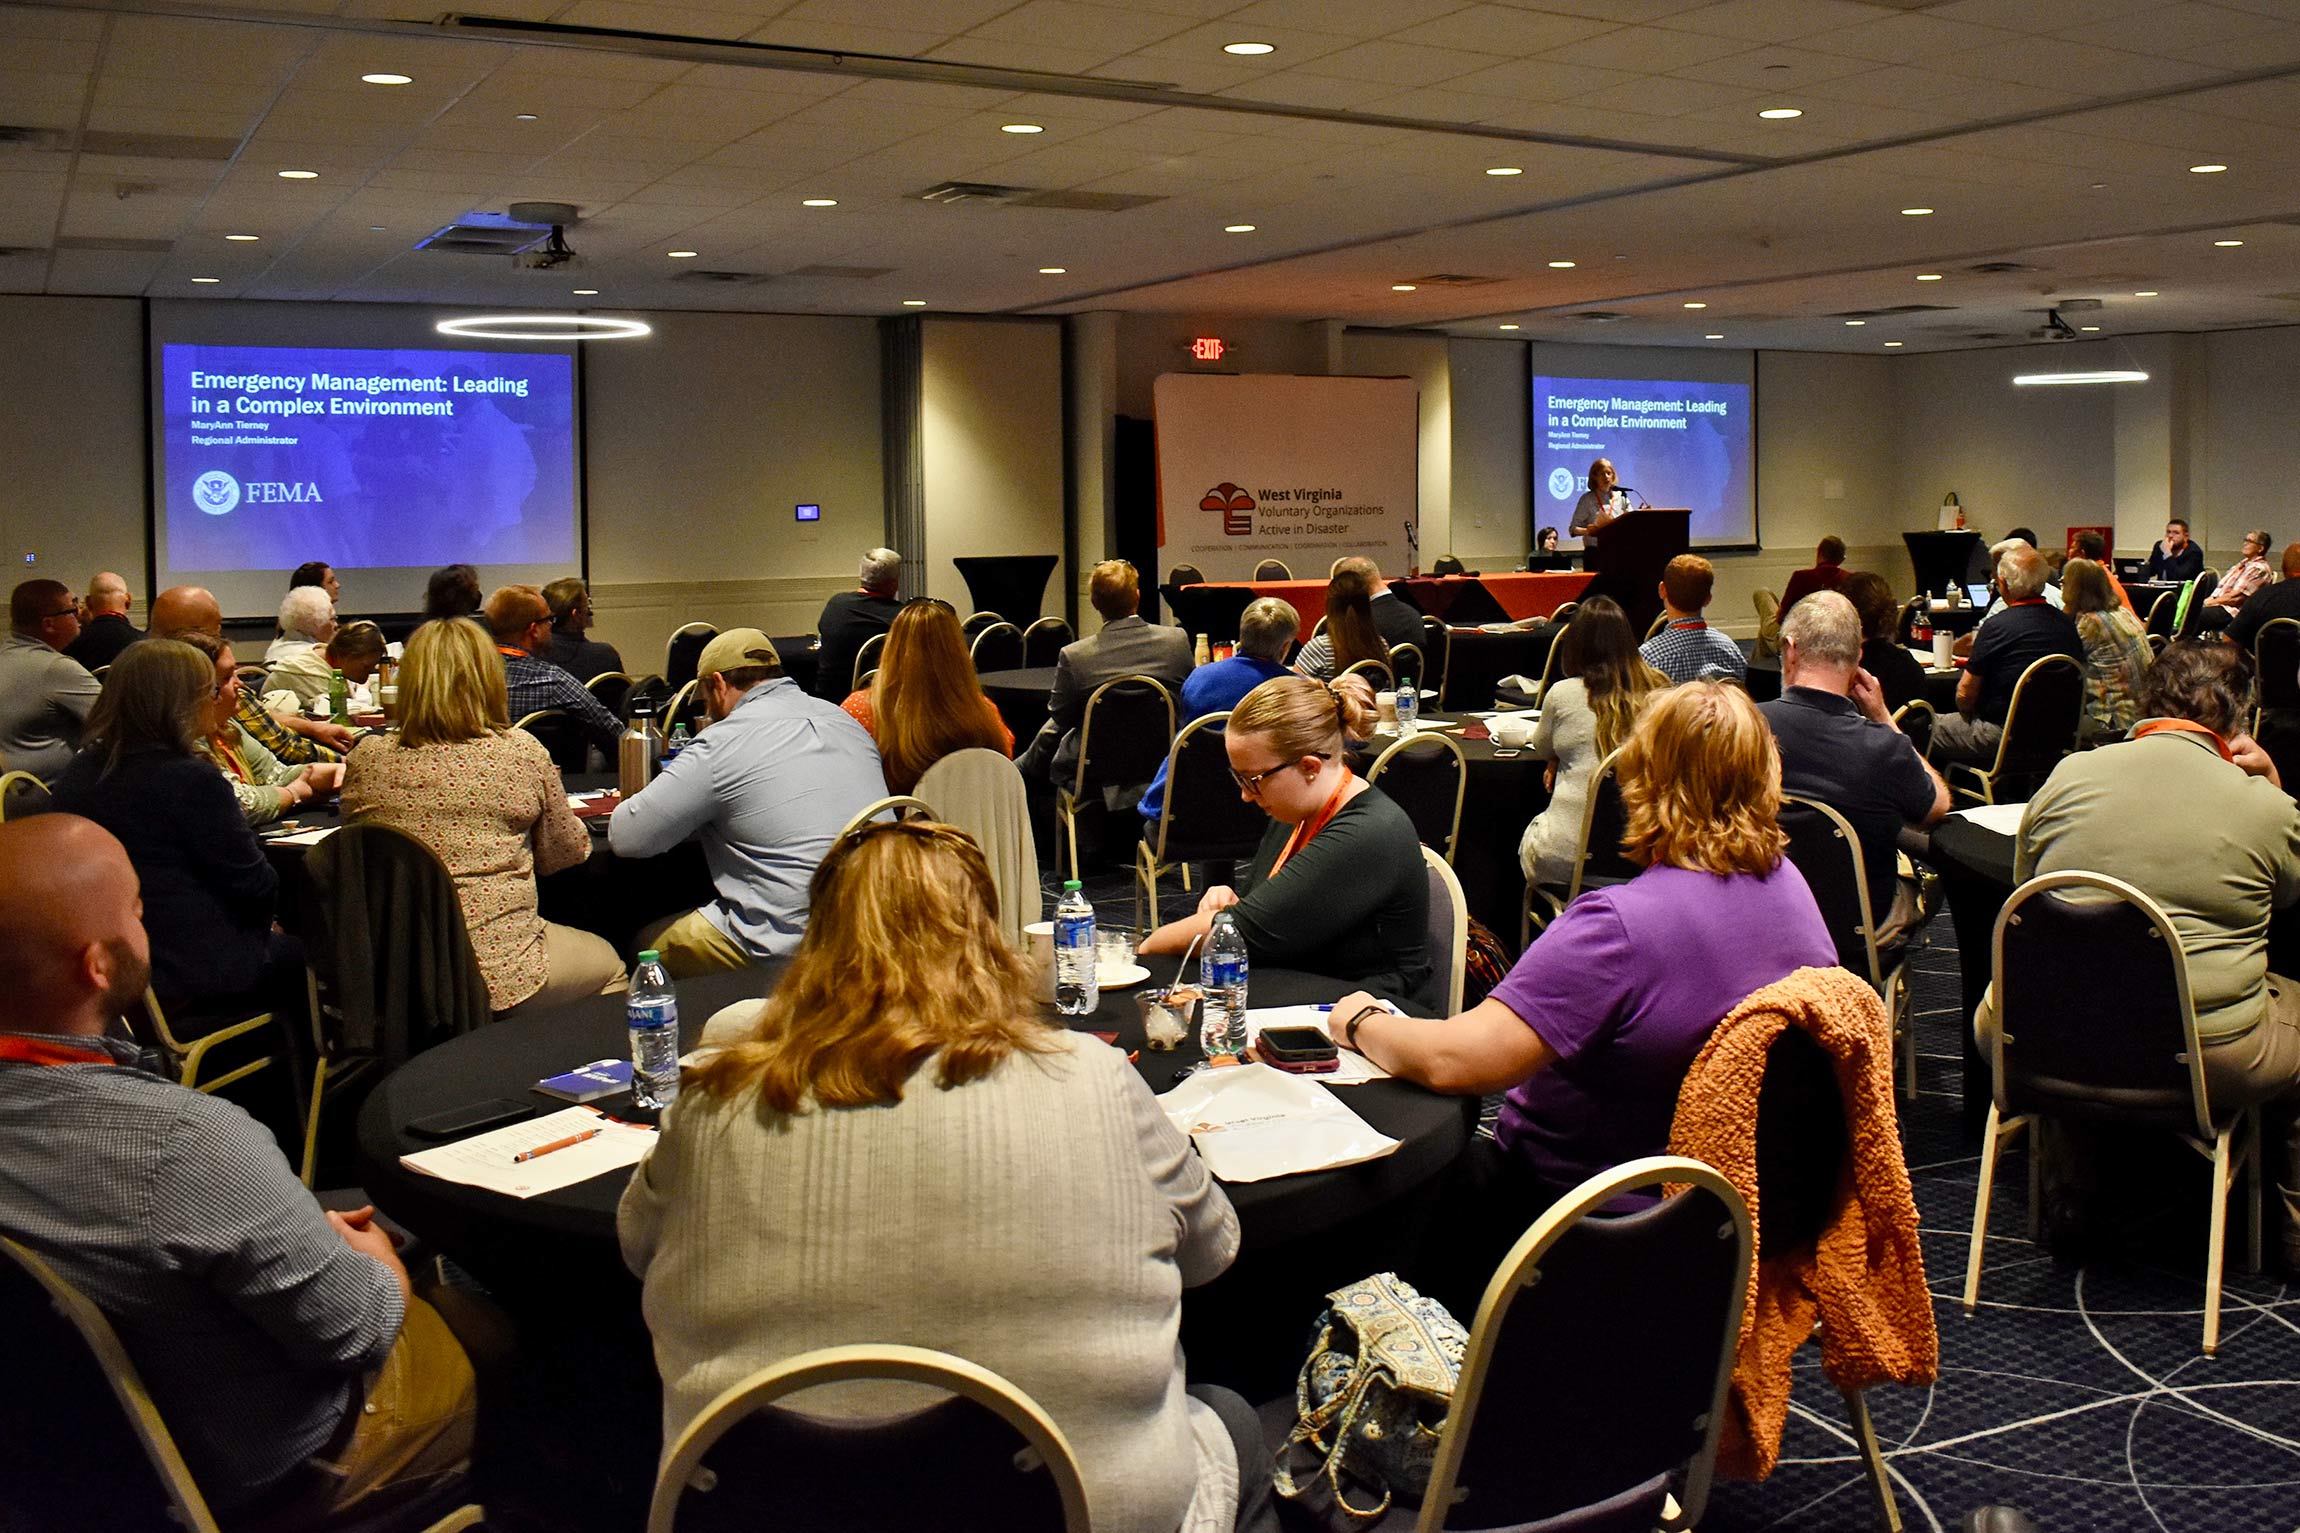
(359, 436)
(1680, 428)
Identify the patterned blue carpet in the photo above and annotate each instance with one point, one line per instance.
(2078, 1393)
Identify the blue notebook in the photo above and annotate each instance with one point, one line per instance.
(587, 1083)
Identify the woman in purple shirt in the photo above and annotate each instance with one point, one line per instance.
(1593, 1030)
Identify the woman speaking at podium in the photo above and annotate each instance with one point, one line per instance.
(1604, 502)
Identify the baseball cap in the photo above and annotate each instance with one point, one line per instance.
(735, 649)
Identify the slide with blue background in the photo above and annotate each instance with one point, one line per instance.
(380, 458)
(1675, 443)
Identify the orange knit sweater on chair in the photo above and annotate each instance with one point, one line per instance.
(1865, 1278)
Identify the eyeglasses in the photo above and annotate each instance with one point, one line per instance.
(1253, 784)
(67, 612)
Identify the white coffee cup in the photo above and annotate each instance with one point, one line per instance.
(1041, 935)
(1386, 707)
(1944, 649)
(1511, 731)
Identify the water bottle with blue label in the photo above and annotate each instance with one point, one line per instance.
(1076, 990)
(653, 1013)
(1222, 975)
(1409, 706)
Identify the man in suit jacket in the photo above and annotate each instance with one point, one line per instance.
(852, 618)
(1126, 646)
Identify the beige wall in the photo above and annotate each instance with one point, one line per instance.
(72, 457)
(991, 427)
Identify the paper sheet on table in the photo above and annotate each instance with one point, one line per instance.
(2004, 819)
(1355, 1069)
(303, 837)
(1252, 1123)
(484, 1160)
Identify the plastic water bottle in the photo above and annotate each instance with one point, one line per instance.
(1222, 975)
(1409, 709)
(1076, 992)
(338, 698)
(653, 1012)
(678, 742)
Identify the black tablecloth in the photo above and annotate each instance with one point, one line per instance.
(1020, 698)
(1504, 793)
(1476, 661)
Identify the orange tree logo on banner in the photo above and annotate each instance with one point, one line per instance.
(1236, 507)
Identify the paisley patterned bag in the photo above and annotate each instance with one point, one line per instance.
(1372, 1397)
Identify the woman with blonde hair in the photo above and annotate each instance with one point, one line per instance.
(902, 1151)
(265, 786)
(1592, 1031)
(488, 802)
(2116, 652)
(1584, 719)
(925, 702)
(1337, 887)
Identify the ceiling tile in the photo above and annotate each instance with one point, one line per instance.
(1354, 18)
(1773, 69)
(1647, 50)
(2053, 64)
(627, 16)
(1501, 29)
(1112, 30)
(1051, 58)
(1772, 21)
(2171, 28)
(1909, 38)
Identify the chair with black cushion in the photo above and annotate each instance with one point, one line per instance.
(1915, 719)
(976, 622)
(1406, 661)
(1551, 660)
(684, 706)
(1272, 569)
(685, 647)
(1181, 575)
(1449, 929)
(1447, 564)
(2192, 621)
(985, 1458)
(1427, 775)
(1437, 649)
(997, 647)
(1905, 626)
(613, 690)
(1828, 853)
(21, 794)
(1557, 1421)
(866, 659)
(1598, 861)
(1376, 673)
(2072, 949)
(185, 1045)
(2276, 656)
(2160, 613)
(2039, 728)
(562, 735)
(1123, 735)
(1044, 640)
(1202, 818)
(1563, 611)
(902, 806)
(87, 1448)
(1660, 621)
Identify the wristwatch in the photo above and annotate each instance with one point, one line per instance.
(1350, 1028)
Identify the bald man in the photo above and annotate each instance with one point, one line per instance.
(255, 1317)
(296, 740)
(104, 626)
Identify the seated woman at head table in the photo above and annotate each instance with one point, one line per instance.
(921, 1160)
(1338, 887)
(1595, 1026)
(265, 786)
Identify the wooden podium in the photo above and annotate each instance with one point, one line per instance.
(1629, 555)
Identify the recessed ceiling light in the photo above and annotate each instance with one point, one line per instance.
(1237, 228)
(1928, 276)
(207, 279)
(1401, 287)
(299, 175)
(1052, 271)
(1249, 49)
(2206, 170)
(1915, 212)
(2227, 244)
(1781, 113)
(1505, 170)
(586, 292)
(1893, 343)
(1697, 306)
(529, 117)
(388, 79)
(1506, 327)
(681, 255)
(243, 239)
(914, 303)
(818, 202)
(1021, 127)
(1856, 322)
(2146, 292)
(1561, 266)
(375, 228)
(1713, 336)
(2088, 327)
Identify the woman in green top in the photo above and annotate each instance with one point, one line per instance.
(1337, 887)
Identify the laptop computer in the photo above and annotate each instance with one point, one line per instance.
(2129, 569)
(1979, 594)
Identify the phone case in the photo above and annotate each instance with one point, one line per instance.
(1301, 1066)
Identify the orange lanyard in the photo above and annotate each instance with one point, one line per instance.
(229, 758)
(42, 1051)
(2185, 727)
(1305, 832)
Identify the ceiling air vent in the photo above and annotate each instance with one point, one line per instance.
(839, 273)
(1892, 309)
(17, 136)
(2000, 268)
(158, 146)
(724, 278)
(1450, 279)
(1598, 316)
(484, 234)
(973, 191)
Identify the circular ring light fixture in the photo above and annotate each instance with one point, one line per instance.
(544, 327)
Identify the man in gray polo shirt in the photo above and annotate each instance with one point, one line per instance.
(45, 695)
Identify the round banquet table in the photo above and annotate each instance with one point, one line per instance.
(1020, 697)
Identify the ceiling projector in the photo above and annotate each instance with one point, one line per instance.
(551, 253)
(2054, 328)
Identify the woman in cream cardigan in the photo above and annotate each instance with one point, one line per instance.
(902, 1151)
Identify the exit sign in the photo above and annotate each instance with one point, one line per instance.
(1207, 348)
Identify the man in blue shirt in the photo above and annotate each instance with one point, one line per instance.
(767, 785)
(1266, 631)
(1688, 649)
(520, 620)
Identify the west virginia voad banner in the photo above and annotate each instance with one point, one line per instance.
(1274, 466)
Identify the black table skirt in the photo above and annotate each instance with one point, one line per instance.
(1020, 698)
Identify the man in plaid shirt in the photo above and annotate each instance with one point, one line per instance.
(520, 619)
(2244, 577)
(1688, 648)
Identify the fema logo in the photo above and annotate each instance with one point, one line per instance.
(215, 492)
(1560, 483)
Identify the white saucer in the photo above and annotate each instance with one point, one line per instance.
(1120, 979)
